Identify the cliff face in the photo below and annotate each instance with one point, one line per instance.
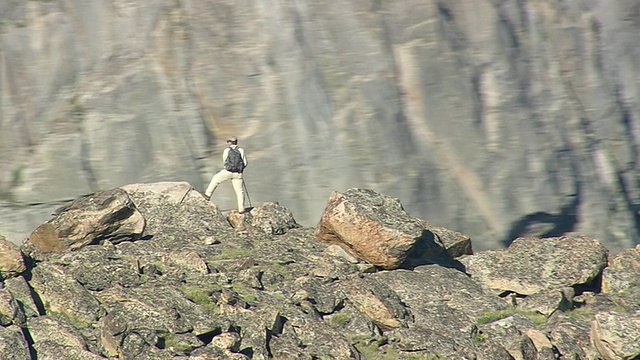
(493, 118)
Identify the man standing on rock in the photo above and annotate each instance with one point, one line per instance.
(234, 161)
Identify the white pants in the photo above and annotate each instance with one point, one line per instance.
(236, 180)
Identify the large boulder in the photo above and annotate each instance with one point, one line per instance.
(375, 228)
(11, 261)
(106, 215)
(531, 265)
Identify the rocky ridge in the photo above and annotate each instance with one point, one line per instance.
(154, 271)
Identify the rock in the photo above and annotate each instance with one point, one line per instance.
(379, 303)
(62, 294)
(373, 227)
(531, 265)
(227, 341)
(616, 335)
(92, 219)
(622, 278)
(271, 218)
(22, 293)
(176, 207)
(13, 345)
(547, 302)
(11, 261)
(10, 310)
(43, 330)
(570, 336)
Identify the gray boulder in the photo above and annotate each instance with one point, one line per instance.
(531, 265)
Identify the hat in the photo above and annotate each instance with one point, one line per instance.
(232, 139)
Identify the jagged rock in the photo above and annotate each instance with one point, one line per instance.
(510, 332)
(373, 227)
(616, 335)
(381, 304)
(53, 351)
(570, 337)
(11, 261)
(62, 294)
(271, 218)
(531, 265)
(10, 310)
(46, 330)
(444, 303)
(91, 219)
(19, 288)
(622, 278)
(547, 302)
(13, 345)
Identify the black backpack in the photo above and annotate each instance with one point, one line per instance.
(234, 161)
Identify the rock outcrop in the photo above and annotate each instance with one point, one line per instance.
(196, 284)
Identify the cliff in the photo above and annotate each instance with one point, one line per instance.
(495, 118)
(154, 271)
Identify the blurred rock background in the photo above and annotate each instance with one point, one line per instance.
(494, 118)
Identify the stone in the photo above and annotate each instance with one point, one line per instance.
(11, 261)
(616, 335)
(270, 218)
(547, 302)
(13, 345)
(531, 265)
(373, 227)
(92, 219)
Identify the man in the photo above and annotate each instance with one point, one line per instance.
(234, 161)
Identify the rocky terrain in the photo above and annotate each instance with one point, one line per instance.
(519, 117)
(154, 271)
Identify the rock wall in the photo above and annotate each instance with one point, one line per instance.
(493, 118)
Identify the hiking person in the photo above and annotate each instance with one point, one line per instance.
(234, 161)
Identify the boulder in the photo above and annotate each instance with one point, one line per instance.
(11, 261)
(92, 219)
(374, 228)
(531, 265)
(616, 335)
(270, 218)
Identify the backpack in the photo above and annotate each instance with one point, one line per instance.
(234, 161)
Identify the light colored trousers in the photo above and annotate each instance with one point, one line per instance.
(236, 180)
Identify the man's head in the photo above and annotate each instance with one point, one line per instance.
(232, 140)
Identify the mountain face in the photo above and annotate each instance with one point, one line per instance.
(494, 118)
(153, 271)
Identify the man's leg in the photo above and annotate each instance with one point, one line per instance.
(216, 180)
(238, 187)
